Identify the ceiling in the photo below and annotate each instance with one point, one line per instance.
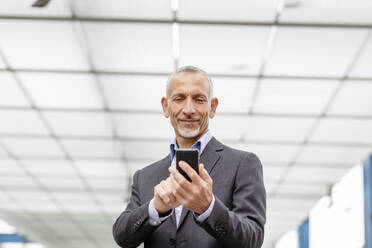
(80, 90)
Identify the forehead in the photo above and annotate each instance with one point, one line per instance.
(189, 82)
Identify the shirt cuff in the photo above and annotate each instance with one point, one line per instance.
(154, 217)
(205, 215)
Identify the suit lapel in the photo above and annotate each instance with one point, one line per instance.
(209, 158)
(210, 155)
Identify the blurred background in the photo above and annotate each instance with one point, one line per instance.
(80, 89)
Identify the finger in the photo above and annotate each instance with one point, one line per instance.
(204, 174)
(181, 180)
(168, 188)
(189, 171)
(178, 190)
(162, 193)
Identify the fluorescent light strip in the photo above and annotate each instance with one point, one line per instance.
(176, 42)
(174, 5)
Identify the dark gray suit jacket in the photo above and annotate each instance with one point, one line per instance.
(237, 218)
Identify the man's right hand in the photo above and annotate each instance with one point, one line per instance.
(164, 200)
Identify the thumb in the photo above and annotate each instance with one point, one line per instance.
(204, 174)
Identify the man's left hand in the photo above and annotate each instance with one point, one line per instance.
(195, 195)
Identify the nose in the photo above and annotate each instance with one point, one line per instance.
(189, 107)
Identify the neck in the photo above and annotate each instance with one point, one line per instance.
(183, 142)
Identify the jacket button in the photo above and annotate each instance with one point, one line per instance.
(172, 241)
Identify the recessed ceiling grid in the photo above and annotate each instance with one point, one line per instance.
(324, 114)
(285, 156)
(67, 157)
(86, 49)
(32, 217)
(41, 187)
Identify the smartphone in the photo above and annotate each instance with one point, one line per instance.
(190, 156)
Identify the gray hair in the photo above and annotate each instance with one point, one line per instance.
(191, 69)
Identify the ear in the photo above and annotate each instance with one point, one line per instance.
(214, 104)
(164, 104)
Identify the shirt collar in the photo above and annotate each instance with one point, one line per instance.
(200, 144)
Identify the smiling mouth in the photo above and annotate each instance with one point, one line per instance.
(189, 121)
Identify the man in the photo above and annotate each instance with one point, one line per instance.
(224, 205)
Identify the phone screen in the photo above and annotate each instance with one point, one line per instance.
(190, 156)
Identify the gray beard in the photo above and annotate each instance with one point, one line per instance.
(189, 133)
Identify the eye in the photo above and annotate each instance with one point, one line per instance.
(200, 100)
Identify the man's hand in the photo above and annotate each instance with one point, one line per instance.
(164, 199)
(195, 195)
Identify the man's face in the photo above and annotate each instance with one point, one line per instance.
(188, 105)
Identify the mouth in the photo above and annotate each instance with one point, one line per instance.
(189, 121)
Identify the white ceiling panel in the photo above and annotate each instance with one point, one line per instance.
(278, 129)
(2, 64)
(97, 184)
(114, 209)
(228, 127)
(269, 153)
(134, 92)
(73, 196)
(57, 8)
(130, 47)
(53, 90)
(80, 124)
(30, 196)
(273, 173)
(354, 98)
(93, 148)
(234, 94)
(362, 68)
(11, 182)
(54, 45)
(224, 10)
(143, 126)
(343, 131)
(138, 165)
(132, 9)
(291, 214)
(14, 122)
(68, 227)
(86, 218)
(314, 51)
(291, 203)
(2, 152)
(4, 197)
(112, 198)
(74, 207)
(145, 150)
(54, 167)
(293, 96)
(32, 146)
(10, 167)
(10, 93)
(104, 169)
(223, 49)
(315, 175)
(303, 189)
(11, 207)
(333, 154)
(330, 11)
(65, 183)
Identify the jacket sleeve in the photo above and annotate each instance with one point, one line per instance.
(243, 225)
(132, 226)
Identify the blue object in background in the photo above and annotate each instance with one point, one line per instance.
(303, 234)
(11, 238)
(367, 178)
